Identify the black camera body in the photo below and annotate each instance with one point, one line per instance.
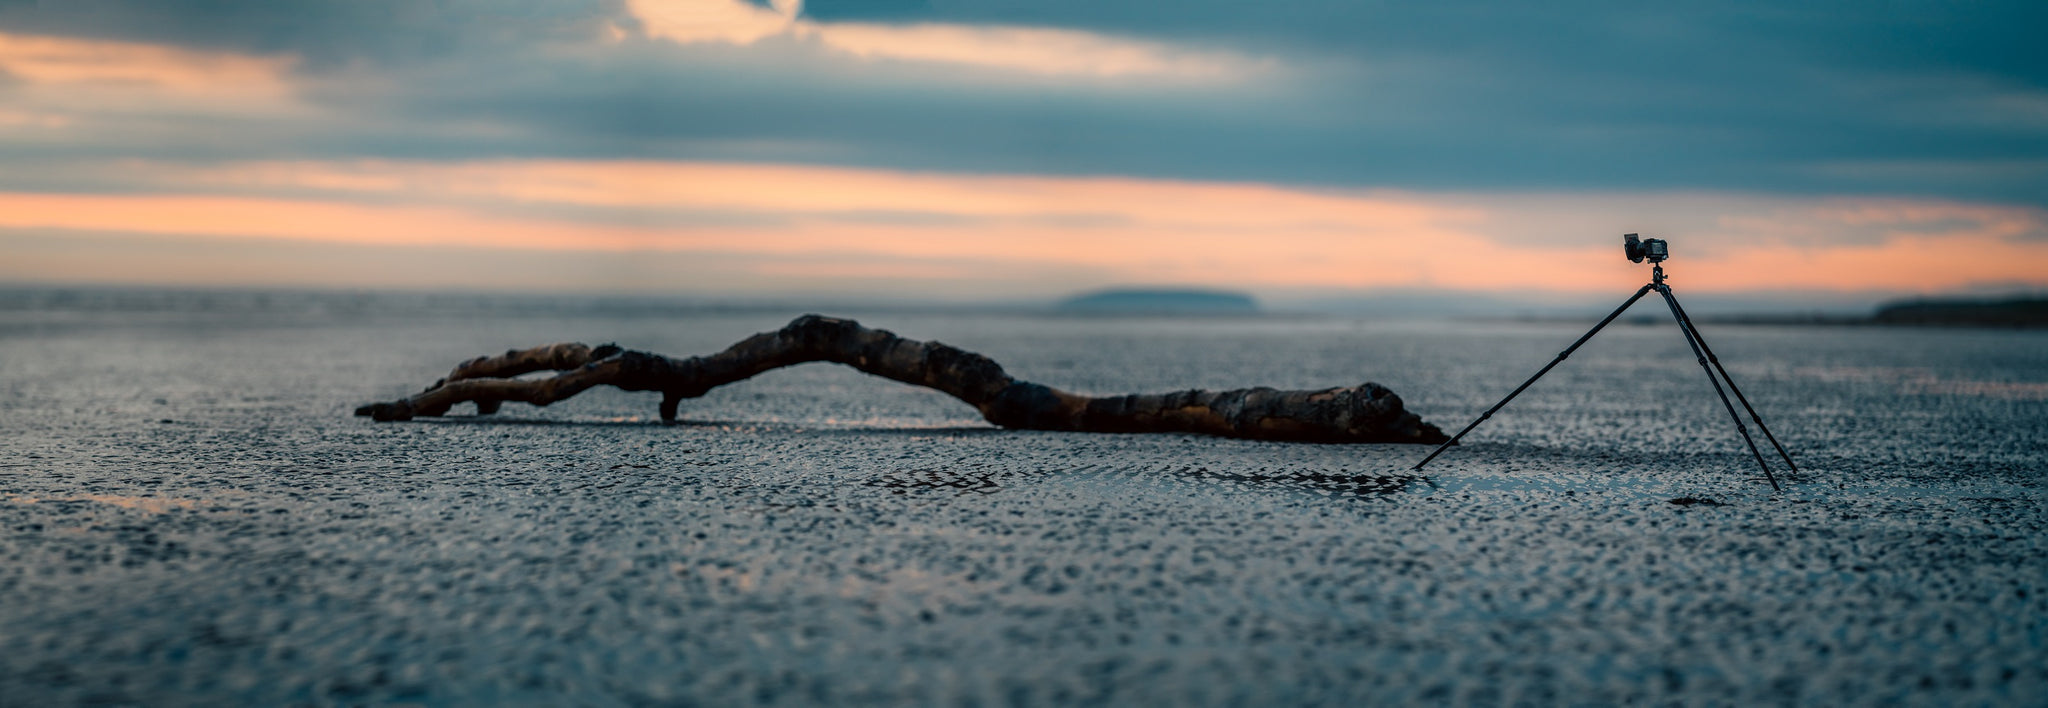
(1639, 249)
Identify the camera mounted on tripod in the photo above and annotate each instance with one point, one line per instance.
(1638, 249)
(1655, 251)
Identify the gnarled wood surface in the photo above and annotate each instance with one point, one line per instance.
(1357, 414)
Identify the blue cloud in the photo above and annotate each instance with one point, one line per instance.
(1932, 99)
(326, 33)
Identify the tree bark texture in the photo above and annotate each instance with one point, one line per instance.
(1366, 413)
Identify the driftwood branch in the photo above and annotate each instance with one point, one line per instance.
(1366, 413)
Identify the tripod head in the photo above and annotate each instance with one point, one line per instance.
(1655, 250)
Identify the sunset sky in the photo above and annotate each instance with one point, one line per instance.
(985, 150)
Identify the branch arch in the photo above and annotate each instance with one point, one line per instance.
(1366, 413)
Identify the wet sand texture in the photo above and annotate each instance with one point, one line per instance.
(190, 516)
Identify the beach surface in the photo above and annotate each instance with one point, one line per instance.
(189, 515)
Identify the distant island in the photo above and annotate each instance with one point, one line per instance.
(2024, 311)
(2011, 312)
(1148, 301)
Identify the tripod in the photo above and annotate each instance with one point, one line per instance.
(1700, 350)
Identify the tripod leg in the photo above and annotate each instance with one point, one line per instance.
(1731, 384)
(1693, 342)
(1645, 290)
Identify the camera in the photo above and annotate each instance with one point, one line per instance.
(1641, 248)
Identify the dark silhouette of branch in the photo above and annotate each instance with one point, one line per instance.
(1366, 413)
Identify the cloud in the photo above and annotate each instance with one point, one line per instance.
(1029, 50)
(116, 258)
(61, 61)
(1435, 96)
(326, 35)
(1037, 51)
(1315, 145)
(1680, 42)
(789, 223)
(72, 96)
(732, 21)
(61, 69)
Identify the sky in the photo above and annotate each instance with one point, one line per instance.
(1010, 150)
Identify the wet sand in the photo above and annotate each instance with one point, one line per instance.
(190, 516)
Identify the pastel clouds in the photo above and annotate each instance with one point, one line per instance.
(94, 94)
(1036, 51)
(682, 144)
(135, 74)
(733, 21)
(1023, 50)
(793, 225)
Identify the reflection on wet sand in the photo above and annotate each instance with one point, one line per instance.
(1364, 485)
(906, 481)
(981, 481)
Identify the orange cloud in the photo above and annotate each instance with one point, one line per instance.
(1033, 50)
(126, 66)
(68, 87)
(823, 191)
(1025, 50)
(731, 21)
(32, 119)
(801, 223)
(1921, 263)
(306, 220)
